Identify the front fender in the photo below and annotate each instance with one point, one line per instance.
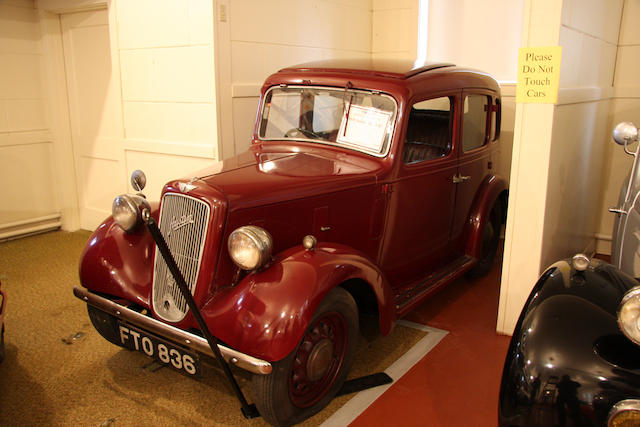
(568, 363)
(266, 314)
(117, 263)
(490, 190)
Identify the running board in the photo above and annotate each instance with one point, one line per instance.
(407, 300)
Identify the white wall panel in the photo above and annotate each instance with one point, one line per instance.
(576, 176)
(103, 178)
(20, 76)
(177, 74)
(24, 115)
(395, 31)
(244, 113)
(152, 23)
(599, 18)
(26, 161)
(260, 38)
(161, 168)
(19, 33)
(572, 137)
(483, 35)
(629, 28)
(624, 107)
(627, 66)
(617, 164)
(506, 130)
(587, 61)
(29, 193)
(315, 23)
(178, 122)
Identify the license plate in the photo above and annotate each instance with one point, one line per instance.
(161, 350)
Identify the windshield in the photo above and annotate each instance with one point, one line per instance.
(354, 119)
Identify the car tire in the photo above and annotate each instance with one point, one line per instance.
(490, 240)
(105, 324)
(307, 379)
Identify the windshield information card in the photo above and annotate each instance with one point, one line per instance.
(364, 127)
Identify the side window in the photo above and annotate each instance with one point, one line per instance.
(429, 130)
(474, 121)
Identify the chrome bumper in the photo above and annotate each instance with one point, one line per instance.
(186, 339)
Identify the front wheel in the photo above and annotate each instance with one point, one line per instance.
(306, 380)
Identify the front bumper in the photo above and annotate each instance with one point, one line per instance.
(183, 338)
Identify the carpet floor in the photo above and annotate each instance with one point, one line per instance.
(59, 371)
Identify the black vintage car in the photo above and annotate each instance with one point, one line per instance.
(569, 362)
(574, 359)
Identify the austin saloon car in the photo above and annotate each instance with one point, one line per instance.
(574, 358)
(367, 187)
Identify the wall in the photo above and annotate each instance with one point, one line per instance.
(485, 36)
(558, 171)
(625, 106)
(256, 39)
(167, 66)
(162, 85)
(581, 131)
(26, 156)
(395, 29)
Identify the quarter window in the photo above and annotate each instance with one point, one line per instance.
(474, 121)
(429, 130)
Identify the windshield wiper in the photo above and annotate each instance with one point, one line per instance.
(348, 86)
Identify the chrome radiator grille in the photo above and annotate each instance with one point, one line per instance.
(183, 223)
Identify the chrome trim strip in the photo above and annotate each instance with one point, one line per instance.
(183, 338)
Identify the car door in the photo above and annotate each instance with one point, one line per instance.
(475, 158)
(421, 205)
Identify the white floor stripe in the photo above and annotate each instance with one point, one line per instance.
(362, 400)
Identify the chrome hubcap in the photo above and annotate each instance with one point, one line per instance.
(319, 359)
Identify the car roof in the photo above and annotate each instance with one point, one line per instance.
(391, 68)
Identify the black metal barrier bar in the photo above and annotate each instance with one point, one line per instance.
(248, 410)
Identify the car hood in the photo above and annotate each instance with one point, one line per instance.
(258, 176)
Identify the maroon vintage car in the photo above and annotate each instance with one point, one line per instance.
(367, 187)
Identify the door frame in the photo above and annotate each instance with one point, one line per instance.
(55, 84)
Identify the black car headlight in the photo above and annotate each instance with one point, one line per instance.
(250, 247)
(127, 211)
(629, 314)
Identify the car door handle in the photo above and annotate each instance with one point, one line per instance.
(618, 211)
(457, 179)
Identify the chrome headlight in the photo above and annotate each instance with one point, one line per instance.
(127, 211)
(625, 413)
(250, 247)
(629, 314)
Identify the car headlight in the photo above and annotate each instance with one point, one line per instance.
(250, 247)
(629, 314)
(625, 413)
(127, 211)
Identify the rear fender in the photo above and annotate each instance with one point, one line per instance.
(491, 189)
(266, 314)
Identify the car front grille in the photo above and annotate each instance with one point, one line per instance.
(183, 223)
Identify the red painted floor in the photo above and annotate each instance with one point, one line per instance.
(456, 383)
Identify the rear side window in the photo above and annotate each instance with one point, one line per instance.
(429, 130)
(474, 121)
